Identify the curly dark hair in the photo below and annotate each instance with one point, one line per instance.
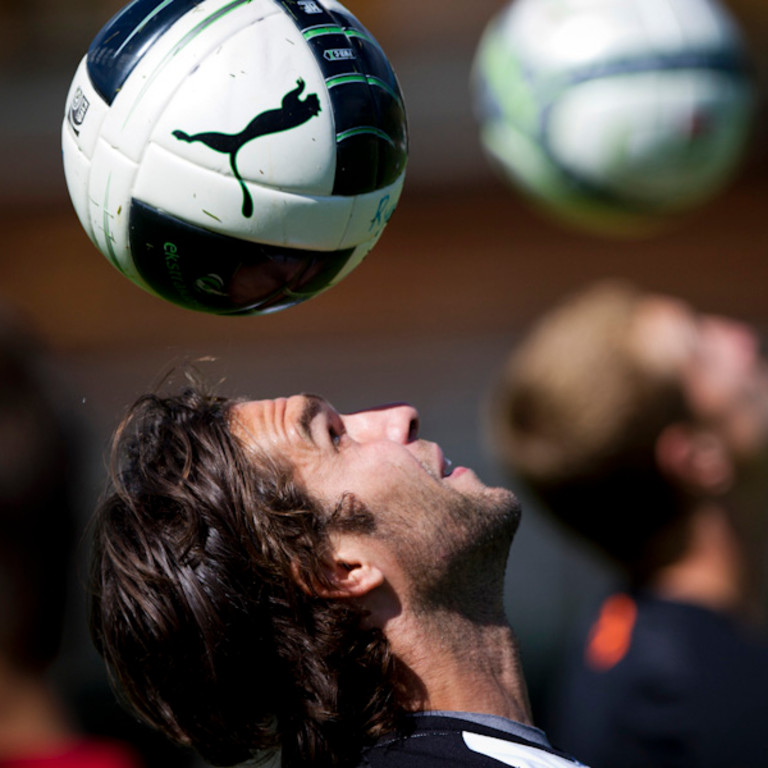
(200, 546)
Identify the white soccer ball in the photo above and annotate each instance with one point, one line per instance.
(234, 156)
(614, 114)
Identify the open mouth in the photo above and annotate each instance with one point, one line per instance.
(447, 467)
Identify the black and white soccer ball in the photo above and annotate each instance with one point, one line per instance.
(234, 156)
(614, 115)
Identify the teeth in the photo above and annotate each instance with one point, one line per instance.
(447, 467)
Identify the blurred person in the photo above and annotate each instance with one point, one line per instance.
(37, 540)
(642, 426)
(276, 576)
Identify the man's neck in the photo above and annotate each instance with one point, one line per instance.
(712, 570)
(459, 665)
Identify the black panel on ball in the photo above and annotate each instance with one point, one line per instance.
(386, 97)
(125, 39)
(209, 272)
(368, 107)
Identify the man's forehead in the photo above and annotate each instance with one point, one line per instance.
(664, 333)
(257, 420)
(247, 419)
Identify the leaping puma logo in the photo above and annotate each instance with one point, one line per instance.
(291, 113)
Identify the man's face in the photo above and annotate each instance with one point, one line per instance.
(718, 361)
(429, 511)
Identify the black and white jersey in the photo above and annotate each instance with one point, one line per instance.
(453, 739)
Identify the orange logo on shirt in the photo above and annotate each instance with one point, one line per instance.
(611, 635)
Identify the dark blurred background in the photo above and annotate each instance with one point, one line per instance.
(427, 318)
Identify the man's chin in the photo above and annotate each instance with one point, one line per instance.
(505, 499)
(501, 511)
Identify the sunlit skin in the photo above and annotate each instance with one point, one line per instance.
(334, 453)
(462, 652)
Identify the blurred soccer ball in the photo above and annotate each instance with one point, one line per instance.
(614, 114)
(234, 156)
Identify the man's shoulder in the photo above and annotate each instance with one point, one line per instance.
(449, 742)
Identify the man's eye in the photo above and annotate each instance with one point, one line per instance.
(335, 436)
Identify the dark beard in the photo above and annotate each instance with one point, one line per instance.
(465, 573)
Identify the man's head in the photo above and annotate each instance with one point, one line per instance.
(426, 513)
(241, 557)
(622, 408)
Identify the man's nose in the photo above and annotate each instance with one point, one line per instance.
(398, 422)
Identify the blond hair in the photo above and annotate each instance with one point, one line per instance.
(576, 415)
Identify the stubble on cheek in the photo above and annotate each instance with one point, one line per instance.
(439, 547)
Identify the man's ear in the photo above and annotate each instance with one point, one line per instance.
(695, 458)
(352, 579)
(349, 571)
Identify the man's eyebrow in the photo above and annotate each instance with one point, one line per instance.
(312, 406)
